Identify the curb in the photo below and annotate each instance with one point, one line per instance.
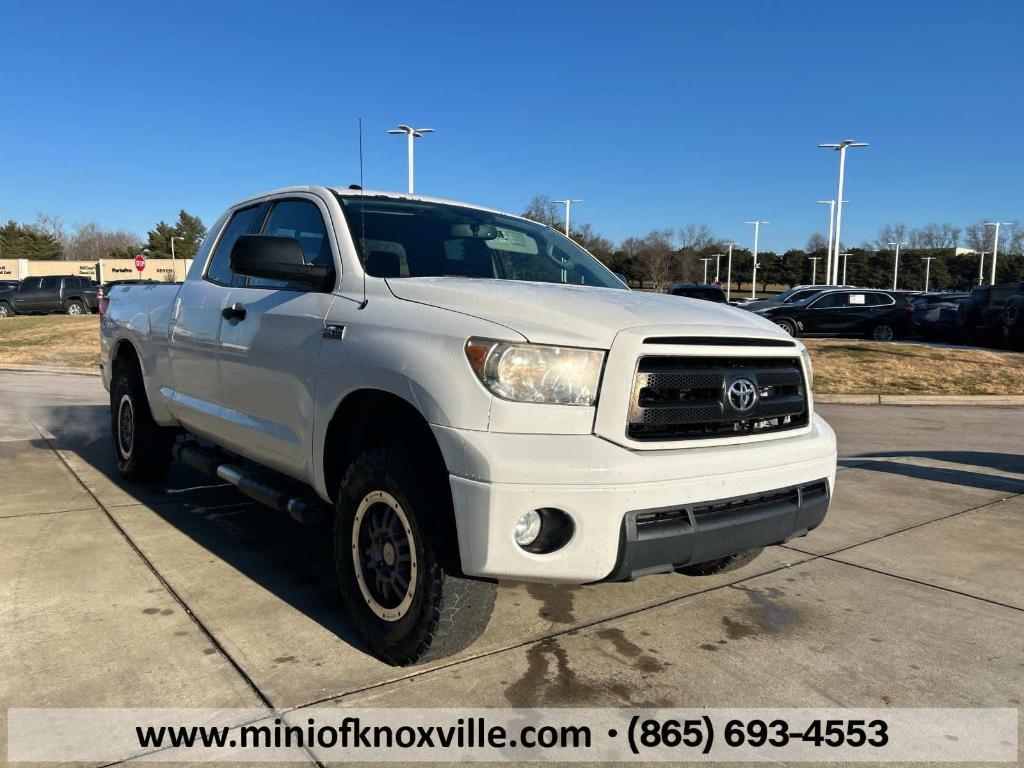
(879, 399)
(50, 370)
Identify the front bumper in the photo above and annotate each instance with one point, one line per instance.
(496, 478)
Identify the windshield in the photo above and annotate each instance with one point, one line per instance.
(411, 238)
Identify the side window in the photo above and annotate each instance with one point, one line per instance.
(830, 301)
(241, 223)
(302, 220)
(50, 283)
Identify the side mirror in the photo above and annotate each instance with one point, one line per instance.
(276, 258)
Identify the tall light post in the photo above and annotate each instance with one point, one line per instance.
(927, 270)
(844, 254)
(757, 231)
(174, 268)
(981, 267)
(841, 149)
(995, 245)
(896, 263)
(568, 206)
(831, 228)
(728, 273)
(814, 269)
(706, 260)
(718, 268)
(411, 135)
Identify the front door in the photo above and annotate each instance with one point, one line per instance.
(26, 298)
(270, 347)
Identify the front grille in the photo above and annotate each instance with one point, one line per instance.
(687, 398)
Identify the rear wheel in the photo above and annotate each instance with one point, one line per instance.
(6, 310)
(400, 591)
(883, 332)
(74, 307)
(722, 564)
(788, 326)
(142, 448)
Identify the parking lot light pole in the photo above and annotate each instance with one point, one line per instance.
(844, 254)
(718, 268)
(706, 260)
(927, 270)
(411, 135)
(995, 245)
(981, 267)
(814, 269)
(841, 149)
(757, 231)
(831, 229)
(174, 268)
(568, 205)
(728, 273)
(896, 264)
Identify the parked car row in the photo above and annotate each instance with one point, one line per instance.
(988, 315)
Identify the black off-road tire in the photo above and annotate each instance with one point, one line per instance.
(142, 448)
(722, 564)
(6, 310)
(445, 611)
(75, 307)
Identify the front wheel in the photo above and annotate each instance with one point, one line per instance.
(787, 325)
(391, 529)
(883, 332)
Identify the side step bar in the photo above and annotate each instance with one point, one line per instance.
(259, 487)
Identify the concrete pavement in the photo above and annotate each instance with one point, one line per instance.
(187, 595)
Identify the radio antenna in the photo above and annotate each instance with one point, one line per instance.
(362, 217)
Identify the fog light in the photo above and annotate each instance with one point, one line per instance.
(527, 529)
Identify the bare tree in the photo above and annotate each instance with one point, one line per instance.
(817, 242)
(656, 257)
(977, 237)
(50, 224)
(890, 233)
(90, 242)
(542, 209)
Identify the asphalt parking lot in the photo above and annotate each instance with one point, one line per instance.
(910, 595)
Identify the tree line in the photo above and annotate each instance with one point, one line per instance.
(48, 238)
(670, 255)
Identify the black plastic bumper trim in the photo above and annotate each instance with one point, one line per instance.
(665, 539)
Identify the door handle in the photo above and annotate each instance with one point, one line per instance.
(235, 312)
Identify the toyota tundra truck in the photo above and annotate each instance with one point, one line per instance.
(465, 396)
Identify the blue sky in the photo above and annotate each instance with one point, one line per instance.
(655, 114)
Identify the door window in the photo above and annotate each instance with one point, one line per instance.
(241, 223)
(831, 301)
(302, 220)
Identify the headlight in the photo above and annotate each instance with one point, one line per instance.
(534, 373)
(808, 365)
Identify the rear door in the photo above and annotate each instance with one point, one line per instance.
(195, 328)
(268, 358)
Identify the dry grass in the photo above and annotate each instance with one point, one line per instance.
(843, 366)
(51, 340)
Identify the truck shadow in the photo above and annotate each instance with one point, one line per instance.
(293, 562)
(890, 463)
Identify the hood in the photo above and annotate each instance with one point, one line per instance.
(549, 313)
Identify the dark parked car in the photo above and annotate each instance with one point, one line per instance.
(793, 295)
(698, 291)
(991, 315)
(879, 315)
(55, 293)
(10, 285)
(937, 315)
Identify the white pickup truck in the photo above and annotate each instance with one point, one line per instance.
(469, 396)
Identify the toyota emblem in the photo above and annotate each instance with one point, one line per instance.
(742, 395)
